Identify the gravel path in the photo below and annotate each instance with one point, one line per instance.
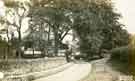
(74, 73)
(101, 71)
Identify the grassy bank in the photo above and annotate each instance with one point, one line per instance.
(23, 66)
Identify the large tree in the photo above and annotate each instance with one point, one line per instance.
(15, 14)
(57, 20)
(94, 21)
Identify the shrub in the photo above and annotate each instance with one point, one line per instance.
(121, 53)
(132, 56)
(120, 59)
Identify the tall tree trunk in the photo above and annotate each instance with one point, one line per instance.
(6, 56)
(67, 55)
(56, 42)
(49, 35)
(64, 35)
(19, 43)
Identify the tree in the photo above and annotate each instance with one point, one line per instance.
(37, 35)
(3, 48)
(94, 21)
(57, 21)
(16, 13)
(97, 27)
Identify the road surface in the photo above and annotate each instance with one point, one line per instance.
(75, 73)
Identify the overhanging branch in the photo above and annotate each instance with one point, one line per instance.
(64, 35)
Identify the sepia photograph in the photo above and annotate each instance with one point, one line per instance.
(67, 40)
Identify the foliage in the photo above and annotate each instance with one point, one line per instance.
(121, 53)
(98, 28)
(132, 55)
(3, 43)
(95, 22)
(53, 19)
(15, 14)
(5, 49)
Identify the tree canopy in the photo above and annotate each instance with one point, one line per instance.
(94, 21)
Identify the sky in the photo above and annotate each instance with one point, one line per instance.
(125, 7)
(1, 8)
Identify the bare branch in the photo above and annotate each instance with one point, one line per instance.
(64, 35)
(13, 24)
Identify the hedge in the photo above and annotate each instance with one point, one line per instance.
(121, 53)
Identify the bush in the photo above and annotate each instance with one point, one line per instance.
(120, 59)
(121, 53)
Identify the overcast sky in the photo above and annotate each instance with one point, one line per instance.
(125, 7)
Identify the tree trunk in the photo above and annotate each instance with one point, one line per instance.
(7, 53)
(49, 35)
(64, 35)
(67, 55)
(56, 43)
(19, 43)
